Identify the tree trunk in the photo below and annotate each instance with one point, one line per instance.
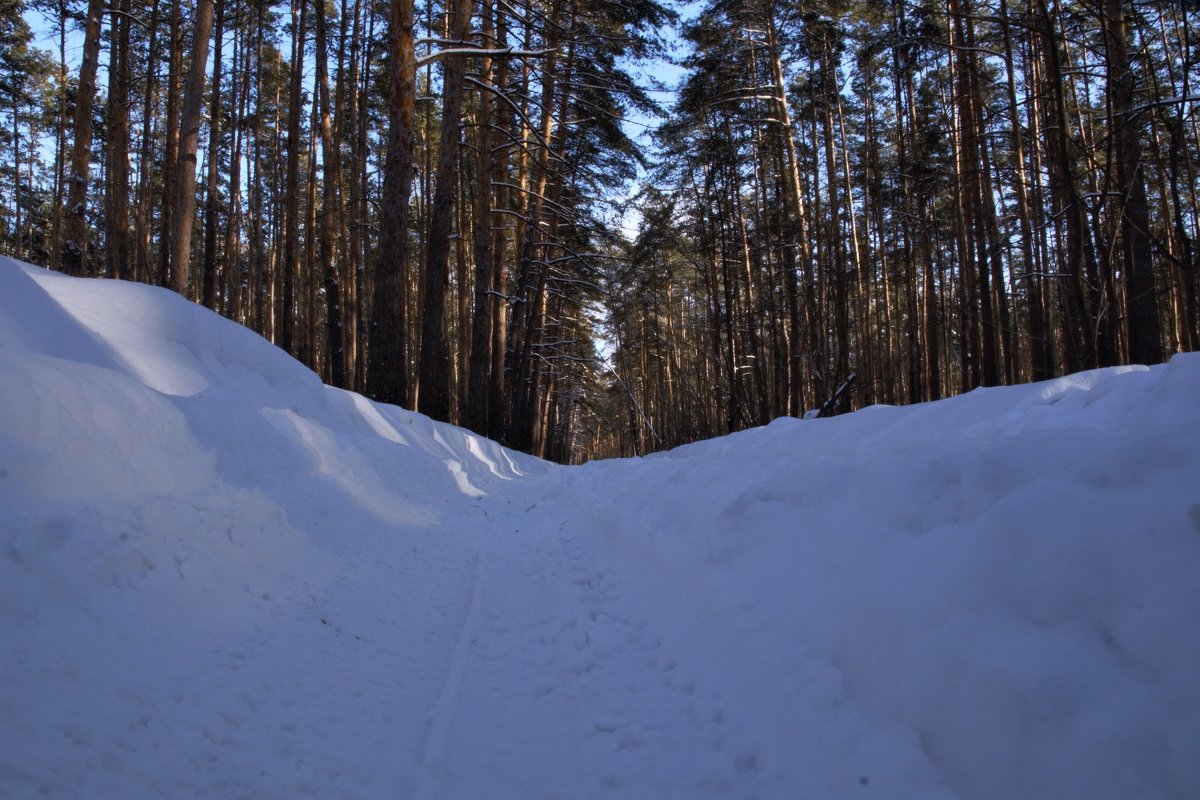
(797, 248)
(212, 191)
(1079, 345)
(170, 167)
(74, 255)
(387, 369)
(1040, 352)
(141, 230)
(60, 139)
(239, 104)
(475, 408)
(531, 281)
(117, 250)
(1145, 334)
(189, 138)
(434, 391)
(290, 265)
(331, 182)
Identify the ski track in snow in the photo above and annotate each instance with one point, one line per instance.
(442, 717)
(555, 658)
(221, 579)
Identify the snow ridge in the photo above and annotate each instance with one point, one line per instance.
(219, 578)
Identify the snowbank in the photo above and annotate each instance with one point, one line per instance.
(188, 519)
(219, 578)
(998, 589)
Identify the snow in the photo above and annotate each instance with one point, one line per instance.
(220, 578)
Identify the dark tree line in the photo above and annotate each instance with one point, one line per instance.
(408, 198)
(849, 203)
(921, 197)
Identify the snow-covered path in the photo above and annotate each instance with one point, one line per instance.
(563, 665)
(219, 578)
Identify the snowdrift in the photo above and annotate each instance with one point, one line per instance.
(219, 578)
(185, 512)
(1002, 586)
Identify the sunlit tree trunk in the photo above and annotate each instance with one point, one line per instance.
(189, 138)
(74, 254)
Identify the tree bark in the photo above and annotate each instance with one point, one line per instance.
(189, 138)
(1079, 346)
(331, 183)
(434, 391)
(475, 408)
(1145, 334)
(141, 229)
(290, 264)
(118, 256)
(74, 255)
(387, 368)
(212, 191)
(170, 166)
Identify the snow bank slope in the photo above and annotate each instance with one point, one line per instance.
(154, 339)
(219, 578)
(996, 593)
(197, 543)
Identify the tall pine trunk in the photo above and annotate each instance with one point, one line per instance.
(118, 253)
(387, 367)
(1145, 334)
(74, 254)
(289, 267)
(331, 182)
(189, 139)
(434, 374)
(475, 407)
(212, 190)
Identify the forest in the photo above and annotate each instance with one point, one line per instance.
(509, 215)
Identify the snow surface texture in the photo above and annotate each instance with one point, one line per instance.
(219, 578)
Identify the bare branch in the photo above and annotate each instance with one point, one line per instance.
(502, 52)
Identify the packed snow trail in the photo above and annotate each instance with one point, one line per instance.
(561, 667)
(219, 578)
(442, 718)
(619, 695)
